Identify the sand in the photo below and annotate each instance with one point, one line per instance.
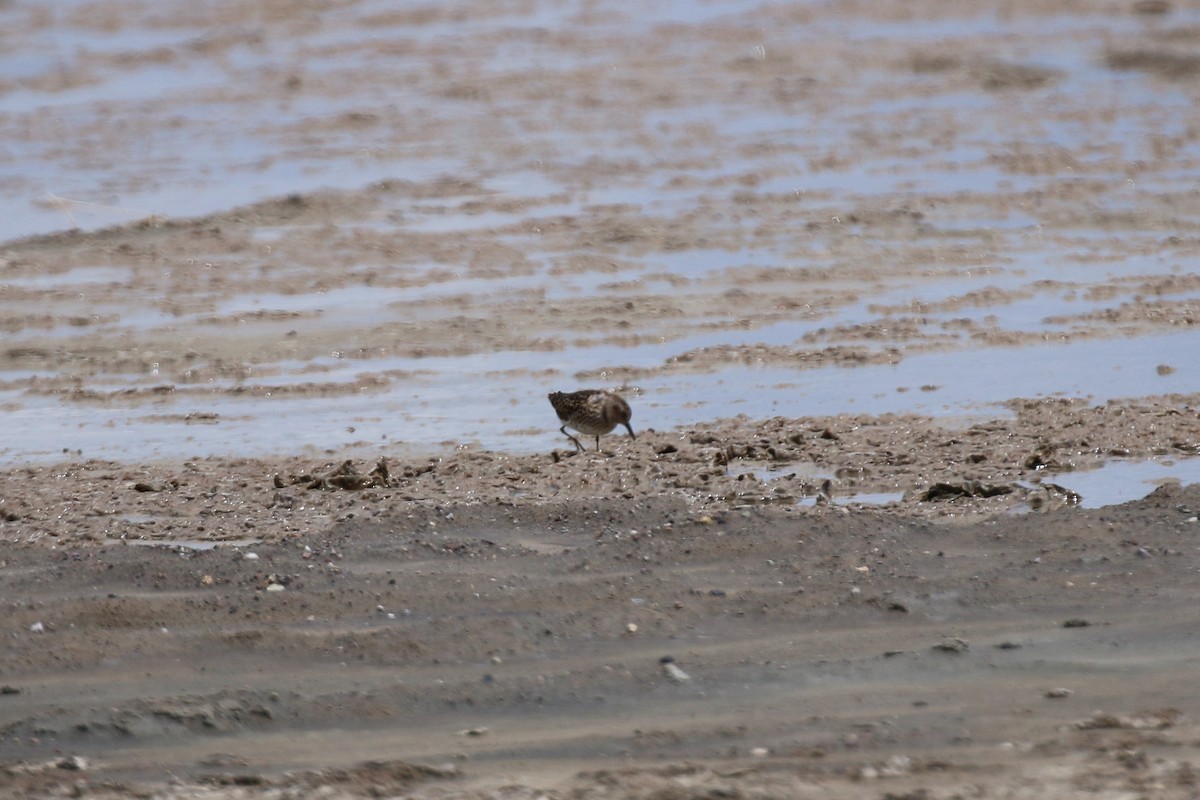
(284, 511)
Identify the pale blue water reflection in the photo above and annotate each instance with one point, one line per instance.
(230, 115)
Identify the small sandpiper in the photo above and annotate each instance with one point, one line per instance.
(592, 412)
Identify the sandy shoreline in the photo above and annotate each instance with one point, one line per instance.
(673, 614)
(924, 468)
(607, 641)
(903, 298)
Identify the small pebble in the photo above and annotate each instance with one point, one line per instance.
(674, 673)
(251, 556)
(77, 763)
(473, 732)
(1058, 693)
(37, 627)
(952, 644)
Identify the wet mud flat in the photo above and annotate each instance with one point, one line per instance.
(284, 510)
(1041, 455)
(292, 632)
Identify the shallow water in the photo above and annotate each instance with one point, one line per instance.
(1122, 481)
(1005, 233)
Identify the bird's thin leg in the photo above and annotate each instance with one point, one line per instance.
(597, 443)
(578, 446)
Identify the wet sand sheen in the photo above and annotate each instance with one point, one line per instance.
(713, 235)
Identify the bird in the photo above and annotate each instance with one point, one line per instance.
(592, 412)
